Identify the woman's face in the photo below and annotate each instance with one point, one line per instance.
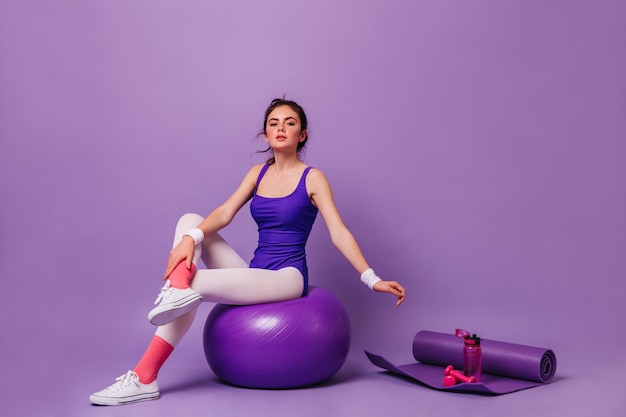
(283, 129)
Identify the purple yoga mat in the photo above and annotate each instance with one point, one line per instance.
(507, 367)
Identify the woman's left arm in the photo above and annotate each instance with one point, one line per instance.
(322, 196)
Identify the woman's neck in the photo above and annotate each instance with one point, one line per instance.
(285, 163)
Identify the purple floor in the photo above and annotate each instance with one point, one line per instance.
(63, 382)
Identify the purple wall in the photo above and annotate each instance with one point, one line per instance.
(476, 150)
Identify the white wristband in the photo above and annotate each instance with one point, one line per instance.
(370, 278)
(196, 234)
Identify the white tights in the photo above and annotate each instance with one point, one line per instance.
(228, 279)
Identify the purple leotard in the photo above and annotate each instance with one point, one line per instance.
(284, 227)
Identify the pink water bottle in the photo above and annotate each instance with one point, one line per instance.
(472, 360)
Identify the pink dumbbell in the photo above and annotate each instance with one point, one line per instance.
(451, 373)
(449, 381)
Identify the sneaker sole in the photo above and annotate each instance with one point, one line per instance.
(168, 316)
(97, 400)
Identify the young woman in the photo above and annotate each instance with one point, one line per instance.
(285, 195)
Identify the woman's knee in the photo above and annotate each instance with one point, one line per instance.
(189, 221)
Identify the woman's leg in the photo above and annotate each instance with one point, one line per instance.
(181, 276)
(241, 286)
(231, 282)
(215, 253)
(228, 279)
(176, 297)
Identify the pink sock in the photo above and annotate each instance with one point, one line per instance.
(153, 359)
(181, 276)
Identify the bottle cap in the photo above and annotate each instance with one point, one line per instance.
(472, 340)
(462, 333)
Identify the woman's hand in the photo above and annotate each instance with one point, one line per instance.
(179, 253)
(391, 287)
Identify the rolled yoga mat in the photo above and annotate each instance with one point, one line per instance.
(506, 367)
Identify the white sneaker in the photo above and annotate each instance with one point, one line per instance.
(126, 389)
(173, 303)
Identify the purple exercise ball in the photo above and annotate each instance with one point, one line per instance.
(287, 344)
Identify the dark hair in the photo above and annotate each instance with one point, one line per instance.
(279, 102)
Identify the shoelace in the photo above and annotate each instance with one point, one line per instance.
(165, 292)
(125, 380)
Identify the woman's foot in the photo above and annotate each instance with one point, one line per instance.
(173, 303)
(126, 389)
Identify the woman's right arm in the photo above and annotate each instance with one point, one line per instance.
(217, 220)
